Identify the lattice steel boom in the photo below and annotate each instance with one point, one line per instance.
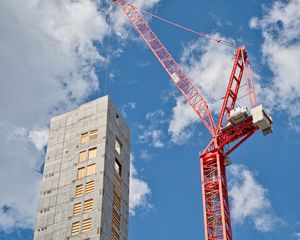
(184, 84)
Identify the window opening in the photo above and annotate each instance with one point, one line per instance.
(118, 146)
(75, 228)
(118, 167)
(91, 169)
(89, 187)
(84, 138)
(79, 190)
(88, 205)
(94, 134)
(82, 156)
(77, 209)
(80, 173)
(92, 153)
(86, 224)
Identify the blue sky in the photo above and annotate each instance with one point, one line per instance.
(54, 56)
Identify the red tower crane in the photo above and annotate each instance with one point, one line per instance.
(234, 127)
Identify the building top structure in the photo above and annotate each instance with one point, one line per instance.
(85, 185)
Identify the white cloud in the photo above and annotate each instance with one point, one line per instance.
(47, 56)
(120, 21)
(145, 155)
(39, 138)
(294, 124)
(156, 116)
(153, 137)
(47, 66)
(183, 116)
(19, 178)
(281, 50)
(250, 200)
(132, 105)
(125, 107)
(156, 136)
(208, 66)
(139, 191)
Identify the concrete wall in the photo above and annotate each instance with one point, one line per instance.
(57, 197)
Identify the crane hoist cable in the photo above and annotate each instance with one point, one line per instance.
(108, 48)
(212, 38)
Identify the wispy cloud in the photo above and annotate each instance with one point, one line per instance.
(145, 155)
(153, 137)
(127, 107)
(153, 134)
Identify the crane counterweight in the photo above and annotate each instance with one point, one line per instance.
(262, 119)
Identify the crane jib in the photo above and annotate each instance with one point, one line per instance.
(176, 73)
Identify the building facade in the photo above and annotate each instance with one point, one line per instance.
(85, 187)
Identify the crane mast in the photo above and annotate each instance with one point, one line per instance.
(235, 125)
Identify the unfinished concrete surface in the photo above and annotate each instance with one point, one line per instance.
(85, 187)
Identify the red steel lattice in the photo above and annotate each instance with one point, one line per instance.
(215, 196)
(184, 84)
(213, 173)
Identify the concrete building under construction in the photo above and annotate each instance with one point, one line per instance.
(85, 188)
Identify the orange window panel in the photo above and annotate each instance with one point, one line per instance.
(117, 184)
(80, 173)
(82, 156)
(116, 200)
(77, 209)
(89, 187)
(88, 205)
(94, 134)
(91, 169)
(79, 190)
(86, 224)
(84, 138)
(92, 153)
(116, 218)
(114, 235)
(75, 228)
